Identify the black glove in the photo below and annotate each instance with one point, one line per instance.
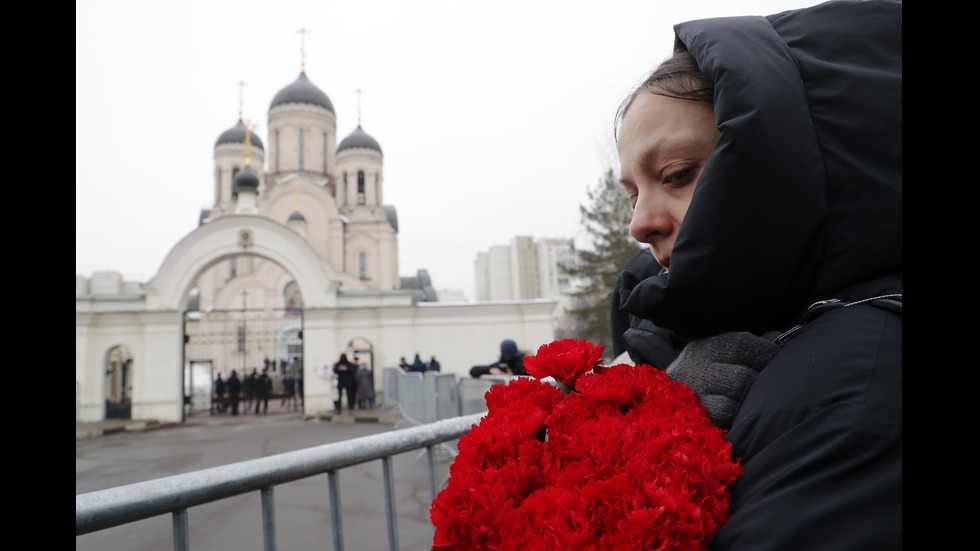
(719, 368)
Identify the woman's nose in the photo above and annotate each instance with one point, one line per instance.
(649, 221)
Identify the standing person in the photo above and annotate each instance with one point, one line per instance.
(346, 381)
(511, 362)
(289, 388)
(774, 145)
(404, 365)
(299, 388)
(234, 391)
(365, 386)
(263, 387)
(219, 391)
(328, 373)
(249, 386)
(418, 366)
(434, 364)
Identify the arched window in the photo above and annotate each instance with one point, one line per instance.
(362, 266)
(360, 187)
(301, 146)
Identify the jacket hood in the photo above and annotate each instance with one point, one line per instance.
(803, 191)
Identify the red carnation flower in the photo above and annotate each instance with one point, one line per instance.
(566, 360)
(628, 461)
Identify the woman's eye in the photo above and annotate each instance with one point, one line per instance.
(677, 177)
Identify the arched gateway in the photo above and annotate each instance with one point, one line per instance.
(148, 320)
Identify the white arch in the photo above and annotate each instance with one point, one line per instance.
(234, 235)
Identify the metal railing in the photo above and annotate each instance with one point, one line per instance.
(174, 495)
(440, 408)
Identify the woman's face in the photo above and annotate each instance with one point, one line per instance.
(664, 144)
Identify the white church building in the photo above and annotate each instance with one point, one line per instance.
(295, 263)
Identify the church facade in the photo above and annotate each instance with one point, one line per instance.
(295, 263)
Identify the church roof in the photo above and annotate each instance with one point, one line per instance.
(359, 138)
(236, 134)
(302, 91)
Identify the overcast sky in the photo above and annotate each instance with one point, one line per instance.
(495, 117)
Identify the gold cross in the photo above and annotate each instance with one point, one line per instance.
(302, 46)
(241, 98)
(359, 92)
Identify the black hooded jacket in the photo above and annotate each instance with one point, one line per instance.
(803, 196)
(346, 371)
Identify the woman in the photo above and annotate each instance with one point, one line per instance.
(365, 386)
(764, 164)
(327, 373)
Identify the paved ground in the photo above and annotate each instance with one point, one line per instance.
(115, 453)
(277, 410)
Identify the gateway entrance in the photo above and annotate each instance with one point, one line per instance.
(221, 341)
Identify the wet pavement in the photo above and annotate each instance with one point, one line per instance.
(381, 414)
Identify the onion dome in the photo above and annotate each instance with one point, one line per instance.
(236, 134)
(246, 180)
(302, 91)
(359, 138)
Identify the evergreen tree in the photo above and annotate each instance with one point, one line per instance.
(606, 219)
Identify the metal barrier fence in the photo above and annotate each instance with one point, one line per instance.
(441, 407)
(174, 495)
(431, 396)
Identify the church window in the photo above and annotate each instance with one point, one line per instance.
(301, 149)
(234, 266)
(360, 187)
(362, 266)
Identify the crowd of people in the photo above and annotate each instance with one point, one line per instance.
(419, 366)
(253, 391)
(353, 380)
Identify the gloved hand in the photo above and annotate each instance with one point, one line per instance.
(719, 368)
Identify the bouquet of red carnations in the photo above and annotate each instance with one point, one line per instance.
(626, 459)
